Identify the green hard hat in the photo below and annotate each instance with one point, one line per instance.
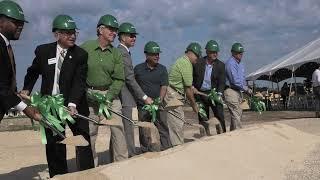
(212, 45)
(108, 20)
(63, 22)
(152, 47)
(127, 28)
(237, 47)
(12, 10)
(195, 48)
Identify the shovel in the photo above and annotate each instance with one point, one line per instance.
(139, 123)
(104, 122)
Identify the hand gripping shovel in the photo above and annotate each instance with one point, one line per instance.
(72, 141)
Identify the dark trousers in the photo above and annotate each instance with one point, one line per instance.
(57, 155)
(284, 101)
(162, 126)
(217, 112)
(129, 131)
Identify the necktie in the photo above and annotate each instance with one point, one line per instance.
(60, 62)
(13, 66)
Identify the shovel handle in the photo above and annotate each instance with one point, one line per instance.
(48, 125)
(123, 116)
(202, 94)
(87, 118)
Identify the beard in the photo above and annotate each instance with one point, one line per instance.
(12, 35)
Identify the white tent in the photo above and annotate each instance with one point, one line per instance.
(301, 62)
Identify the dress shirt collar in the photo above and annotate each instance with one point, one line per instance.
(125, 47)
(59, 49)
(5, 39)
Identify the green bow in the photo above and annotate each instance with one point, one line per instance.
(52, 110)
(215, 97)
(153, 108)
(202, 112)
(257, 105)
(103, 101)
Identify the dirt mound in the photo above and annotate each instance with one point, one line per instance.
(258, 152)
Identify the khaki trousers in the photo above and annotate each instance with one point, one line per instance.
(175, 124)
(117, 147)
(233, 100)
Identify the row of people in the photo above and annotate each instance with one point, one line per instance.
(98, 66)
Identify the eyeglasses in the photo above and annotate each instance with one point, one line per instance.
(153, 54)
(69, 33)
(132, 36)
(16, 22)
(113, 29)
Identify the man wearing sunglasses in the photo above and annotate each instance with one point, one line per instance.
(131, 90)
(180, 85)
(106, 76)
(237, 85)
(63, 67)
(153, 79)
(11, 24)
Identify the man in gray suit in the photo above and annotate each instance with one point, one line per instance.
(131, 91)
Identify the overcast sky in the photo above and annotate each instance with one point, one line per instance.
(268, 30)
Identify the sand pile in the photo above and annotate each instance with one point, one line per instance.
(259, 152)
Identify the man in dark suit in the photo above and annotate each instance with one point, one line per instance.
(11, 25)
(131, 91)
(63, 67)
(209, 73)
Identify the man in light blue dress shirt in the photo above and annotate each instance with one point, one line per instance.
(237, 85)
(209, 73)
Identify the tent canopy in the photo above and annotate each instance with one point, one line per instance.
(302, 62)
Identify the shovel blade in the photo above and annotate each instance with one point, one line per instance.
(145, 124)
(213, 121)
(111, 122)
(75, 141)
(151, 131)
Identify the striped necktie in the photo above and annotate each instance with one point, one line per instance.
(60, 62)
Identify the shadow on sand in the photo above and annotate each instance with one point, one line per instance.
(40, 171)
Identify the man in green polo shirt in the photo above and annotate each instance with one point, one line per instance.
(106, 76)
(180, 82)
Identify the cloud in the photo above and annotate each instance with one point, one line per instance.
(267, 29)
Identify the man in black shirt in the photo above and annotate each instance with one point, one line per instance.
(153, 80)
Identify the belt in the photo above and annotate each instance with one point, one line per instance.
(100, 88)
(182, 94)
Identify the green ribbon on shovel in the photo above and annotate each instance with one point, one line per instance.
(103, 101)
(257, 105)
(52, 109)
(153, 108)
(202, 112)
(215, 97)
